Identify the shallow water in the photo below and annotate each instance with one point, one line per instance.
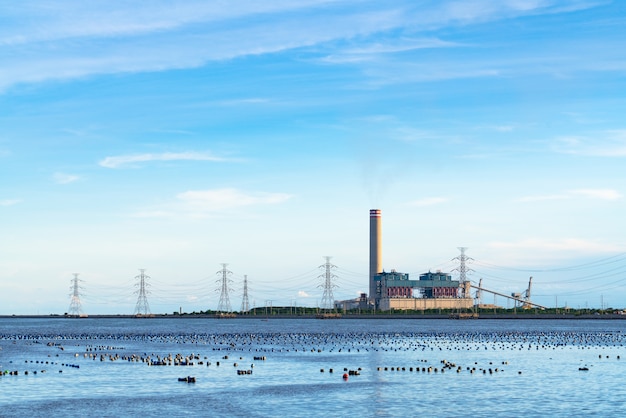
(98, 367)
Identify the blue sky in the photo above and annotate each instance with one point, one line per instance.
(176, 136)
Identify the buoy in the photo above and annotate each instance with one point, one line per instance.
(345, 376)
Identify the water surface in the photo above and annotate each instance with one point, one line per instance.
(100, 367)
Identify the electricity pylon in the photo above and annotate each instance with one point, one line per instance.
(75, 305)
(224, 303)
(245, 304)
(463, 270)
(328, 301)
(142, 308)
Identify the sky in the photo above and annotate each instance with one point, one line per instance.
(178, 136)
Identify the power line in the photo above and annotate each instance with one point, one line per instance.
(595, 263)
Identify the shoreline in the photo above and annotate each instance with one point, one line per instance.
(426, 316)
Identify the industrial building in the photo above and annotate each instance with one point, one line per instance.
(396, 291)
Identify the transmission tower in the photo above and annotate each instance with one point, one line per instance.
(462, 269)
(75, 305)
(245, 304)
(224, 303)
(327, 299)
(142, 308)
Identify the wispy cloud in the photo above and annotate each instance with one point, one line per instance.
(365, 51)
(422, 72)
(610, 143)
(538, 198)
(429, 201)
(481, 10)
(65, 40)
(9, 202)
(303, 294)
(68, 20)
(599, 194)
(244, 101)
(197, 204)
(125, 160)
(63, 178)
(595, 194)
(222, 199)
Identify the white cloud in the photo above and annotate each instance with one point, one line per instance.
(195, 204)
(371, 51)
(429, 201)
(610, 143)
(66, 40)
(222, 199)
(543, 197)
(62, 178)
(482, 10)
(122, 160)
(420, 72)
(67, 20)
(303, 294)
(9, 202)
(600, 194)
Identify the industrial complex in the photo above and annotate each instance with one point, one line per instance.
(397, 291)
(388, 290)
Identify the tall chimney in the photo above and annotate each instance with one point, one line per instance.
(376, 259)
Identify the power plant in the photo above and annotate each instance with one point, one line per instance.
(388, 290)
(396, 291)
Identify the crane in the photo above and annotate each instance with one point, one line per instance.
(527, 294)
(517, 297)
